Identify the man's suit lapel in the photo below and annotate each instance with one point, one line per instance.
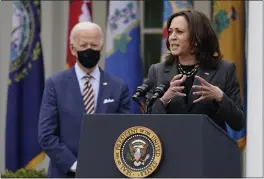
(207, 76)
(74, 88)
(103, 92)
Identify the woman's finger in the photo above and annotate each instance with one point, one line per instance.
(198, 93)
(181, 94)
(177, 88)
(198, 87)
(177, 77)
(199, 99)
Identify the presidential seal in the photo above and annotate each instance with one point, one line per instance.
(22, 34)
(26, 50)
(137, 152)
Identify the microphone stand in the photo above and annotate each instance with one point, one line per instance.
(145, 106)
(140, 104)
(149, 108)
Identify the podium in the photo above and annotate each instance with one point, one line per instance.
(192, 146)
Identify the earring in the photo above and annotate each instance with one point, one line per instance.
(215, 54)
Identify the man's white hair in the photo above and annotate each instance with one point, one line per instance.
(84, 25)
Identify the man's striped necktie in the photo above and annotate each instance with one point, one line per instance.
(88, 96)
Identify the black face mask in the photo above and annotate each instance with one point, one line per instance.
(89, 57)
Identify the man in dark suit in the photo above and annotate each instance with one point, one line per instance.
(84, 88)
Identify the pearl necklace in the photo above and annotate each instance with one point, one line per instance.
(188, 73)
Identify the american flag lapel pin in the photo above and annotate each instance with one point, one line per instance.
(206, 73)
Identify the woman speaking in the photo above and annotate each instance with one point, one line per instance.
(201, 82)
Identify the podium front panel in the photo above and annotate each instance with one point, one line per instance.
(183, 139)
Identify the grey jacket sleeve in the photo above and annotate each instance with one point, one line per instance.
(158, 107)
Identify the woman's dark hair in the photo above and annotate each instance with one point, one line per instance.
(203, 38)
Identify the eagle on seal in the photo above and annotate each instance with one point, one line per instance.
(138, 149)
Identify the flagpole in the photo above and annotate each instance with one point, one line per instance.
(5, 18)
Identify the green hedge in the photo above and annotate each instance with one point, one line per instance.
(25, 173)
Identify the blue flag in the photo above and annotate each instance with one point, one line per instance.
(25, 88)
(123, 45)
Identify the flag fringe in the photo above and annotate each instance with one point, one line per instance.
(36, 161)
(242, 143)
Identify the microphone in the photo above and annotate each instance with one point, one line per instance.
(158, 92)
(143, 89)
